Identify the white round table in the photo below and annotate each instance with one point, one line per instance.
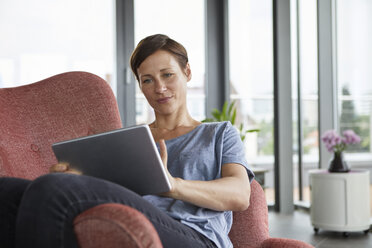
(340, 201)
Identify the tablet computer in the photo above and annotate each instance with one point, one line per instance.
(126, 156)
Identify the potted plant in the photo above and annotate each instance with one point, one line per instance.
(228, 113)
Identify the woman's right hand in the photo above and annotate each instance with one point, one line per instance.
(63, 167)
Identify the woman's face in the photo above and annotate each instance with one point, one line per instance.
(163, 82)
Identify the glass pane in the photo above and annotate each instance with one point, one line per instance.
(165, 17)
(42, 38)
(354, 75)
(305, 73)
(251, 82)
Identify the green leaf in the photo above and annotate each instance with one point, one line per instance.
(216, 114)
(241, 127)
(223, 112)
(233, 117)
(208, 120)
(231, 107)
(252, 130)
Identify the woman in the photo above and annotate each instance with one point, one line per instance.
(205, 165)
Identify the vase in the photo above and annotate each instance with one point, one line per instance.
(338, 163)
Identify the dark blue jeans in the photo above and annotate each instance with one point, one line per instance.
(11, 191)
(43, 211)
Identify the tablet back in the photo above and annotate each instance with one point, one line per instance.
(127, 156)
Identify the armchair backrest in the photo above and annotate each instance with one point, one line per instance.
(250, 227)
(34, 116)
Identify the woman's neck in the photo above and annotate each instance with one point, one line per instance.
(172, 122)
(169, 127)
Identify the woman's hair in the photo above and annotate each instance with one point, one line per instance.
(154, 43)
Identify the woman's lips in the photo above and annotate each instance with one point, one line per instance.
(163, 100)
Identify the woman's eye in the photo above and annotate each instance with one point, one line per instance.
(167, 75)
(146, 81)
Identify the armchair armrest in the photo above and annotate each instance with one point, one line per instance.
(115, 225)
(284, 243)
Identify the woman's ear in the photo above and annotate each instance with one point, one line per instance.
(188, 72)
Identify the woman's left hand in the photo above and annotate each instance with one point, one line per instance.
(164, 158)
(63, 167)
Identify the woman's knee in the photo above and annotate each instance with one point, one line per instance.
(49, 185)
(47, 182)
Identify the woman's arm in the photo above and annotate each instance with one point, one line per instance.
(230, 192)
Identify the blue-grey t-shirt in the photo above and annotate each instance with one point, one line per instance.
(199, 155)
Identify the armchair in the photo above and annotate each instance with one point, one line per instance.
(75, 104)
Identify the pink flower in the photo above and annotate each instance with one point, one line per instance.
(334, 143)
(350, 137)
(330, 138)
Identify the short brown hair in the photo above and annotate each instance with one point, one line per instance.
(153, 43)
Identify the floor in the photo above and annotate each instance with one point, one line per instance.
(298, 226)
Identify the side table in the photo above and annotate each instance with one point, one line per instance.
(260, 175)
(340, 201)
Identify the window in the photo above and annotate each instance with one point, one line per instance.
(251, 80)
(305, 94)
(173, 18)
(42, 38)
(354, 77)
(354, 60)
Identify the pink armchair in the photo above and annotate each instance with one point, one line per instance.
(76, 104)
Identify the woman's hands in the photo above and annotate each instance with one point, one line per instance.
(63, 167)
(164, 158)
